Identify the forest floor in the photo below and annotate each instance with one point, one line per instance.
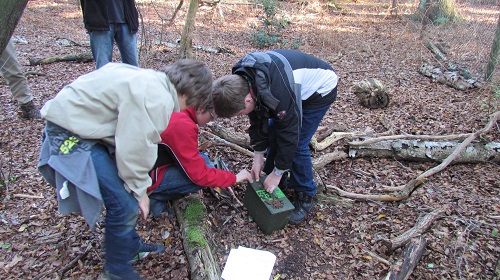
(361, 41)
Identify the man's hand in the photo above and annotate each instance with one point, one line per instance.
(144, 206)
(244, 176)
(271, 182)
(258, 163)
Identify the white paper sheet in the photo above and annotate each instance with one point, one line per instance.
(248, 264)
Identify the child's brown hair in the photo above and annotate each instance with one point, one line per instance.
(229, 94)
(193, 79)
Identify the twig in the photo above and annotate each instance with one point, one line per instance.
(494, 217)
(21, 195)
(379, 258)
(67, 267)
(365, 197)
(233, 196)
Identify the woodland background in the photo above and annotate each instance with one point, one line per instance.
(340, 239)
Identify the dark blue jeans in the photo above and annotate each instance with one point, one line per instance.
(101, 43)
(174, 185)
(301, 173)
(121, 241)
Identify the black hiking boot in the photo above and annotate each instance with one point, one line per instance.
(30, 111)
(303, 205)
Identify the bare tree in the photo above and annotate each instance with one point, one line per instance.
(187, 33)
(495, 51)
(10, 13)
(437, 10)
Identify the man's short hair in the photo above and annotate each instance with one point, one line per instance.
(229, 94)
(192, 79)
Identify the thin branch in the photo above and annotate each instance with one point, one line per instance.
(21, 195)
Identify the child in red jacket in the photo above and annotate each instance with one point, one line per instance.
(182, 168)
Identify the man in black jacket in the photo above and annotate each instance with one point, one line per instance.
(285, 93)
(108, 21)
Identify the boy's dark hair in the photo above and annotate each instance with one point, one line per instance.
(229, 94)
(191, 78)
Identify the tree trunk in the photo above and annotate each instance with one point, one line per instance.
(495, 51)
(10, 13)
(187, 33)
(417, 150)
(394, 7)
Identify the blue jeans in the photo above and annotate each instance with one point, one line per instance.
(121, 241)
(174, 185)
(301, 173)
(101, 43)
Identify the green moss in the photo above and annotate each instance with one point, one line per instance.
(195, 237)
(194, 213)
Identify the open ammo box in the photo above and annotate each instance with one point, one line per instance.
(270, 211)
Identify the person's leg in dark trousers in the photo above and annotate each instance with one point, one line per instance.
(121, 241)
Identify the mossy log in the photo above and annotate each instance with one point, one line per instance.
(191, 215)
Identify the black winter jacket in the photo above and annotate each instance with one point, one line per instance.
(277, 96)
(95, 15)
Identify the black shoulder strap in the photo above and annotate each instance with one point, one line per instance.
(165, 156)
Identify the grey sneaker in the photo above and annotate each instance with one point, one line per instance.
(30, 111)
(145, 249)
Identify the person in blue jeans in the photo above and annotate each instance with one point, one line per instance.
(286, 94)
(101, 140)
(110, 21)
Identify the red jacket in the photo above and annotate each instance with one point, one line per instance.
(181, 136)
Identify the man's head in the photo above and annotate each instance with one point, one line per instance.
(231, 96)
(192, 80)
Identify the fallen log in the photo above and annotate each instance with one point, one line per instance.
(417, 150)
(452, 77)
(420, 227)
(412, 255)
(191, 213)
(221, 141)
(79, 57)
(241, 139)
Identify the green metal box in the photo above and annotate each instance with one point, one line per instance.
(270, 211)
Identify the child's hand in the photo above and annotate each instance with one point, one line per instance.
(244, 176)
(144, 206)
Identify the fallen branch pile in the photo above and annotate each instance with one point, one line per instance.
(457, 148)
